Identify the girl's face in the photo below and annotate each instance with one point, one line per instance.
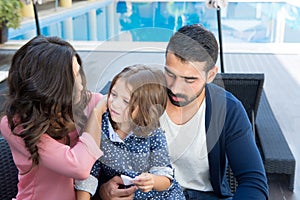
(118, 101)
(78, 81)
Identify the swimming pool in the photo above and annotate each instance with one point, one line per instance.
(255, 22)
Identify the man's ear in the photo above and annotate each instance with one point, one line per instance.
(212, 74)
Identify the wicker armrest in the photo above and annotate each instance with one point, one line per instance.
(247, 87)
(8, 172)
(276, 153)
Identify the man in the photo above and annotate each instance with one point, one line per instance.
(206, 127)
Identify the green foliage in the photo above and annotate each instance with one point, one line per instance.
(10, 13)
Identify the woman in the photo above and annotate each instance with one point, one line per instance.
(45, 113)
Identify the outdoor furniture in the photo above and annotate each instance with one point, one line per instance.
(8, 172)
(3, 91)
(247, 87)
(277, 156)
(274, 149)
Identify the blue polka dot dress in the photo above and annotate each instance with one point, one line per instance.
(135, 155)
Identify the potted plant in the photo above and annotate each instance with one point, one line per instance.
(10, 17)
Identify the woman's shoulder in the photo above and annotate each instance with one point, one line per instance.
(5, 129)
(3, 119)
(4, 126)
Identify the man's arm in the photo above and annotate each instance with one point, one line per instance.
(244, 158)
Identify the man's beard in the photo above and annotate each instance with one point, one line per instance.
(186, 99)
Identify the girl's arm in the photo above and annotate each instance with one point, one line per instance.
(161, 174)
(83, 195)
(88, 187)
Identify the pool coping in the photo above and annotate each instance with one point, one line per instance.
(53, 14)
(257, 48)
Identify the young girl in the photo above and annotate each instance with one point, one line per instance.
(132, 140)
(47, 95)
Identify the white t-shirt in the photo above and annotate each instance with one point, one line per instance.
(188, 150)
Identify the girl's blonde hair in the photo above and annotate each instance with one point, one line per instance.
(148, 94)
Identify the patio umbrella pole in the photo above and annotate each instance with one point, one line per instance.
(38, 31)
(220, 38)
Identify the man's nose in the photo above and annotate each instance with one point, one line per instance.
(176, 86)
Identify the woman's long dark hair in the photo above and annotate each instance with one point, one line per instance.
(41, 86)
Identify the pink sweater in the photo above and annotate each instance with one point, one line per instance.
(59, 164)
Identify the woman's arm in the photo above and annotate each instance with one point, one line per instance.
(93, 125)
(79, 158)
(77, 161)
(87, 187)
(249, 172)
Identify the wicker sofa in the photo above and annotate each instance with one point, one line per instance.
(8, 172)
(275, 151)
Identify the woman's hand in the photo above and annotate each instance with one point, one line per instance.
(93, 125)
(101, 107)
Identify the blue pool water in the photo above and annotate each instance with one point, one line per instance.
(156, 21)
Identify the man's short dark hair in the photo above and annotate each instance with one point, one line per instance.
(194, 43)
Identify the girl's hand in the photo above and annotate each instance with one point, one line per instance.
(145, 182)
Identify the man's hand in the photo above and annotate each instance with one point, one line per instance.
(110, 190)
